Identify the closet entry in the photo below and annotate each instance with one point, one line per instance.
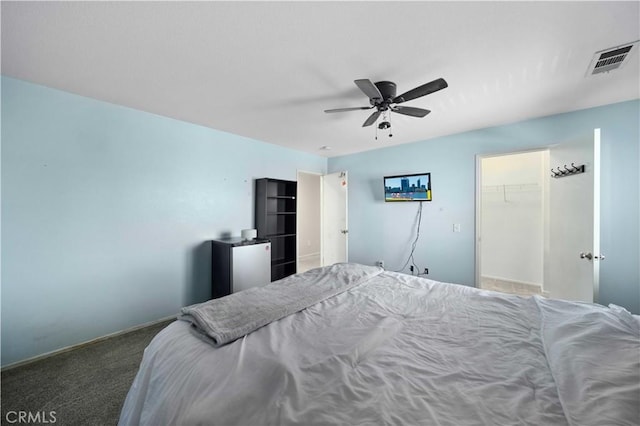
(512, 222)
(322, 219)
(538, 221)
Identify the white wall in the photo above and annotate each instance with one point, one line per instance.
(106, 212)
(512, 217)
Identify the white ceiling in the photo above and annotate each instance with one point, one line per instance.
(267, 70)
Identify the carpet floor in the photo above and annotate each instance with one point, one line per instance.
(84, 386)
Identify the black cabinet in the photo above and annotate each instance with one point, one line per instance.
(276, 221)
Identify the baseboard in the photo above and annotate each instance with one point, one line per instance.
(510, 281)
(88, 342)
(309, 256)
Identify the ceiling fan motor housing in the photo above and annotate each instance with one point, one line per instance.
(387, 90)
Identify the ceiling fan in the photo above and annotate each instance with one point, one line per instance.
(382, 97)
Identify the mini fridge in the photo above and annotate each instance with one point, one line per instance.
(238, 264)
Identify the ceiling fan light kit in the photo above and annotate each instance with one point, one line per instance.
(385, 124)
(382, 97)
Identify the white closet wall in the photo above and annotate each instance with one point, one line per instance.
(512, 217)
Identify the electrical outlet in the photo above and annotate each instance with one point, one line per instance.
(456, 227)
(411, 268)
(380, 263)
(426, 271)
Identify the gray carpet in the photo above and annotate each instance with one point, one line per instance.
(85, 386)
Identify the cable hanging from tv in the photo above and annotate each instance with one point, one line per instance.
(413, 246)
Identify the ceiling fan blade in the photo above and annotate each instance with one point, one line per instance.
(368, 88)
(346, 109)
(423, 90)
(413, 112)
(372, 119)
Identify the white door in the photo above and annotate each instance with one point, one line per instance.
(335, 231)
(572, 246)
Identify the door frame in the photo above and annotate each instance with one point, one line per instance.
(478, 202)
(597, 248)
(320, 225)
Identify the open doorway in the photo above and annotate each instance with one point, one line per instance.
(322, 219)
(512, 221)
(309, 210)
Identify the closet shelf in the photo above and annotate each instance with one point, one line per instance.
(514, 187)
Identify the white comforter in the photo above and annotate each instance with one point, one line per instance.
(401, 350)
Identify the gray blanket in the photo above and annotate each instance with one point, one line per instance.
(228, 318)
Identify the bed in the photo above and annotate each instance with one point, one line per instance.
(352, 344)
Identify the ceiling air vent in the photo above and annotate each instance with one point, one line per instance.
(611, 59)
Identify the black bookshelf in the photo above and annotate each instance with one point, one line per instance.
(276, 221)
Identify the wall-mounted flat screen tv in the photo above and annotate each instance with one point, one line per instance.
(416, 187)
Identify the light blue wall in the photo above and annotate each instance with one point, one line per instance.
(105, 210)
(385, 231)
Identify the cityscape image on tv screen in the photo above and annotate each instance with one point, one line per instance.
(408, 187)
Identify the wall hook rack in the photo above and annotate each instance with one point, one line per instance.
(567, 171)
